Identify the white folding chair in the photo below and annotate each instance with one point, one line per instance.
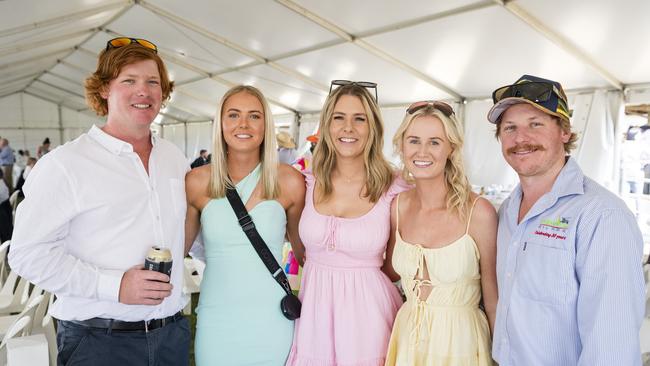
(39, 313)
(199, 266)
(191, 284)
(7, 321)
(13, 201)
(4, 266)
(644, 336)
(44, 324)
(50, 335)
(13, 297)
(17, 328)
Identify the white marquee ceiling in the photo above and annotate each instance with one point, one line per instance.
(291, 49)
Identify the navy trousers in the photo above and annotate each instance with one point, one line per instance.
(80, 345)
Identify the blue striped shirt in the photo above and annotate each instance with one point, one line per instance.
(571, 288)
(7, 156)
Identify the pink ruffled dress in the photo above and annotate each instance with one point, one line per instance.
(348, 303)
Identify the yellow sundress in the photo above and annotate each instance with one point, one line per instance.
(448, 328)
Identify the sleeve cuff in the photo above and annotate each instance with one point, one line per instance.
(108, 285)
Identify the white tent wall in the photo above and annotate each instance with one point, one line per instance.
(392, 120)
(27, 120)
(594, 119)
(30, 121)
(199, 136)
(176, 134)
(75, 123)
(484, 163)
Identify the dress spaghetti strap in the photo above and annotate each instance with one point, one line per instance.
(397, 213)
(469, 218)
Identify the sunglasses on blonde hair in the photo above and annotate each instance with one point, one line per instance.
(125, 41)
(363, 84)
(443, 107)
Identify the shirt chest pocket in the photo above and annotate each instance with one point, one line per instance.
(543, 273)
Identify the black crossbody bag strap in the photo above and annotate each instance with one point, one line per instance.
(246, 223)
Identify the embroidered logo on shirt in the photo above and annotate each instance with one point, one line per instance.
(553, 228)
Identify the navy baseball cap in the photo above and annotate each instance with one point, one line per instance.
(543, 94)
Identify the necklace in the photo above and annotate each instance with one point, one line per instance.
(350, 179)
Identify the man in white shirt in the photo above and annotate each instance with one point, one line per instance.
(92, 210)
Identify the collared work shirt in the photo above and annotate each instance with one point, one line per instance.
(90, 213)
(7, 156)
(571, 287)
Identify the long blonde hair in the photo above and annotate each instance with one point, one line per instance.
(458, 187)
(219, 179)
(378, 172)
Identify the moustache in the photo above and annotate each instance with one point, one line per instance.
(525, 147)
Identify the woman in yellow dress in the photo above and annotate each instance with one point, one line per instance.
(442, 246)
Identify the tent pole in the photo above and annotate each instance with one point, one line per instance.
(185, 136)
(60, 113)
(295, 127)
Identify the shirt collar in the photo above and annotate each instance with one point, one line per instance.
(569, 181)
(113, 144)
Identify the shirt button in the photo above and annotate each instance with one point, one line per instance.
(509, 274)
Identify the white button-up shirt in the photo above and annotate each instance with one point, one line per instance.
(90, 213)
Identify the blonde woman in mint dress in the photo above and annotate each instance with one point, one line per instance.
(443, 247)
(239, 319)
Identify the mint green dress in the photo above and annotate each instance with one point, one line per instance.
(239, 320)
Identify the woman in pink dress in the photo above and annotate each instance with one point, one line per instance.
(349, 304)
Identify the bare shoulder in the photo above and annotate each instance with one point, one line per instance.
(483, 208)
(403, 198)
(197, 180)
(290, 178)
(484, 215)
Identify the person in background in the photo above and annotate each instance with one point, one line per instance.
(303, 162)
(348, 303)
(43, 148)
(569, 251)
(6, 215)
(442, 247)
(95, 206)
(21, 160)
(23, 176)
(201, 160)
(7, 160)
(286, 148)
(239, 320)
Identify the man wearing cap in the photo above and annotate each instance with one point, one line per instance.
(92, 210)
(571, 288)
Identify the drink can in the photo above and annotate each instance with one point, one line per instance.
(159, 259)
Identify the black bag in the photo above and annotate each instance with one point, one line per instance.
(290, 304)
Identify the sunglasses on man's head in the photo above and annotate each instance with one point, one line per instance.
(125, 41)
(363, 84)
(535, 91)
(443, 107)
